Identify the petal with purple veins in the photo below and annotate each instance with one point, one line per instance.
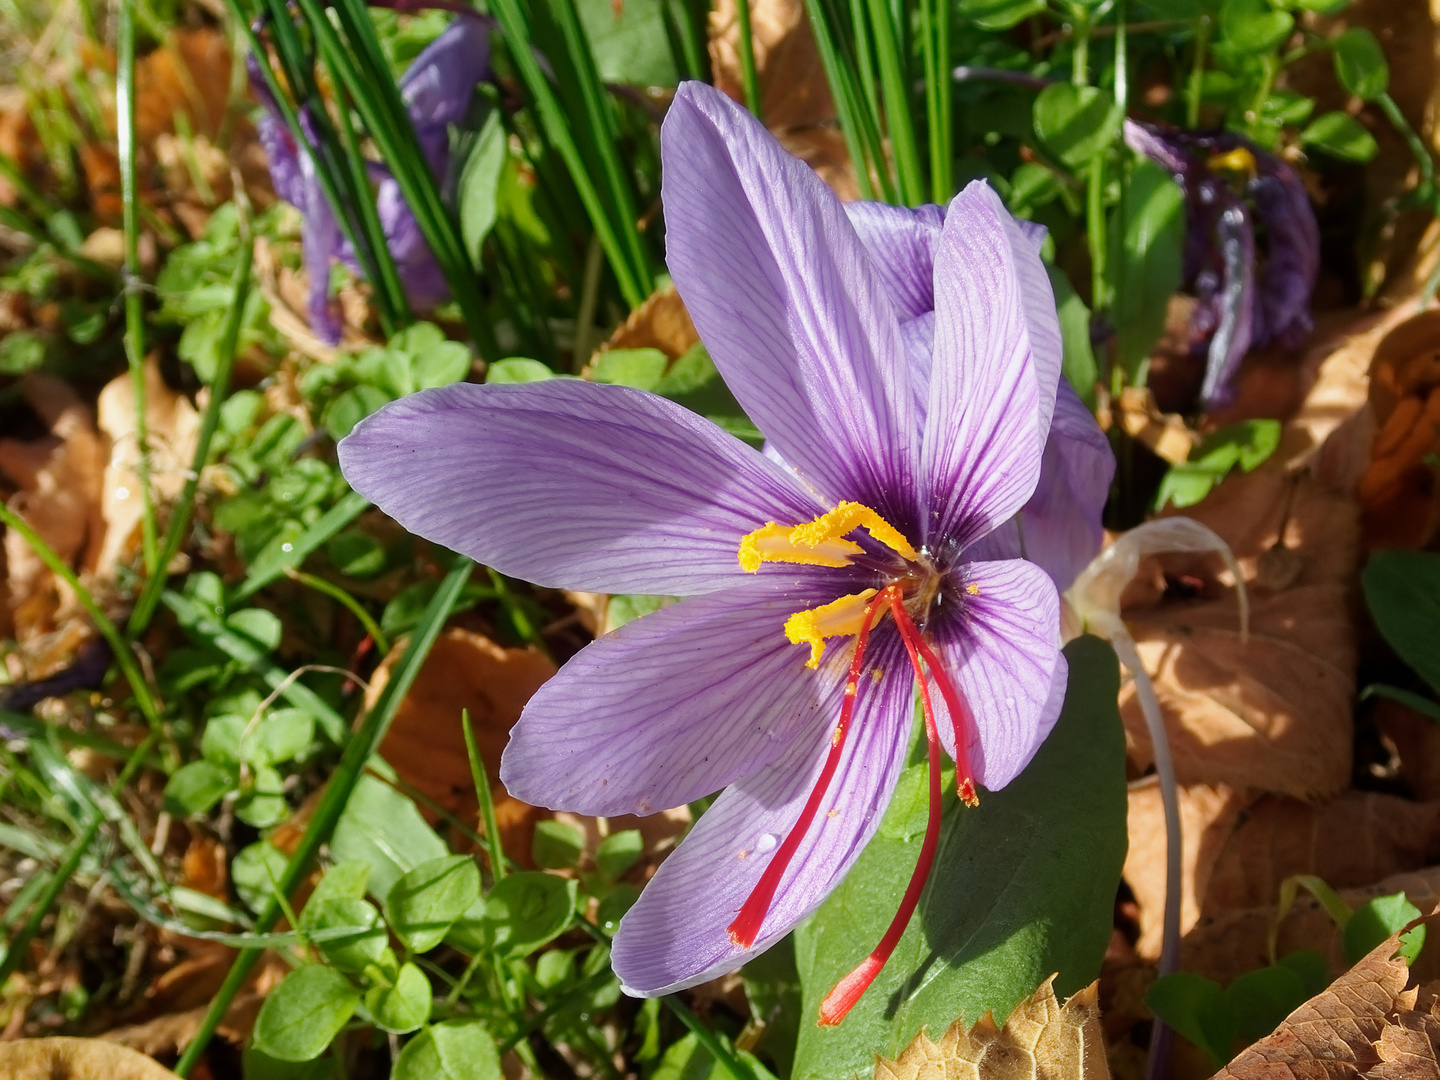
(901, 243)
(572, 484)
(786, 301)
(676, 705)
(1002, 650)
(677, 935)
(995, 370)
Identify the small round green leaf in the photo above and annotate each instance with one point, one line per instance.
(351, 407)
(254, 870)
(405, 1005)
(1076, 122)
(517, 369)
(1376, 921)
(425, 902)
(454, 1050)
(440, 365)
(999, 14)
(195, 788)
(304, 1013)
(1341, 136)
(527, 910)
(557, 846)
(260, 626)
(355, 553)
(618, 852)
(277, 736)
(351, 953)
(1360, 63)
(1253, 25)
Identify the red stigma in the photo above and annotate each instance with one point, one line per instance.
(746, 927)
(848, 991)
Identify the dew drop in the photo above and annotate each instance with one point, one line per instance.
(287, 547)
(122, 493)
(766, 843)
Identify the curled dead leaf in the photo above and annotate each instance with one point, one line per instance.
(76, 1059)
(1042, 1040)
(426, 743)
(661, 322)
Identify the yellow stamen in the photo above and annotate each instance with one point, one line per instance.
(841, 618)
(1240, 160)
(821, 542)
(772, 543)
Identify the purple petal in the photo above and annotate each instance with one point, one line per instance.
(1235, 301)
(572, 484)
(676, 934)
(1003, 651)
(786, 300)
(320, 236)
(425, 284)
(676, 705)
(901, 243)
(438, 84)
(1292, 252)
(995, 370)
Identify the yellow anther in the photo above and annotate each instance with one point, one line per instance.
(820, 542)
(973, 589)
(841, 618)
(772, 543)
(1240, 160)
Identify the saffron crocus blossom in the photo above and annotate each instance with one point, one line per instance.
(436, 89)
(820, 581)
(1240, 308)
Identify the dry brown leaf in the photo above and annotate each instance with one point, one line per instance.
(1407, 1048)
(1207, 817)
(76, 1059)
(189, 74)
(1166, 434)
(1334, 1034)
(1359, 838)
(426, 743)
(661, 322)
(795, 99)
(1272, 712)
(59, 479)
(173, 429)
(1042, 1040)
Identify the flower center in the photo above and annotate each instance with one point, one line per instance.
(822, 542)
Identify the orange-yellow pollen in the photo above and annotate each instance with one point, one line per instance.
(821, 542)
(839, 618)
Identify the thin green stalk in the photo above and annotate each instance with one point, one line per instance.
(1122, 58)
(728, 1059)
(358, 751)
(481, 780)
(865, 58)
(351, 505)
(124, 658)
(897, 104)
(209, 423)
(589, 302)
(1426, 164)
(19, 945)
(749, 79)
(935, 45)
(845, 94)
(134, 304)
(1095, 232)
(1195, 85)
(345, 600)
(1080, 59)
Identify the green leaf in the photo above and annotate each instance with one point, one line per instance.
(383, 829)
(440, 365)
(1022, 886)
(688, 1059)
(351, 407)
(304, 1013)
(1147, 257)
(630, 42)
(1076, 122)
(618, 852)
(1313, 969)
(772, 987)
(1360, 63)
(426, 901)
(640, 368)
(355, 553)
(1078, 358)
(1376, 921)
(454, 1050)
(254, 871)
(195, 788)
(21, 351)
(557, 846)
(613, 908)
(1247, 444)
(347, 953)
(527, 910)
(405, 1005)
(1340, 136)
(262, 800)
(1402, 590)
(999, 14)
(515, 370)
(1195, 1007)
(260, 626)
(343, 881)
(1259, 1000)
(1253, 25)
(277, 736)
(257, 1065)
(479, 190)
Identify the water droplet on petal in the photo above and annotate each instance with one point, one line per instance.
(767, 842)
(287, 547)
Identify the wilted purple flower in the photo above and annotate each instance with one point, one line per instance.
(1237, 312)
(436, 89)
(894, 472)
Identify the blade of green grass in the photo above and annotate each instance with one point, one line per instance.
(134, 300)
(350, 506)
(358, 751)
(891, 60)
(849, 110)
(481, 780)
(935, 46)
(749, 79)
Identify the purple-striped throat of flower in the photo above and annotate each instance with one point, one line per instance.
(910, 586)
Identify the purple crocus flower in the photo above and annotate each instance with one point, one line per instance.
(436, 89)
(821, 577)
(1238, 310)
